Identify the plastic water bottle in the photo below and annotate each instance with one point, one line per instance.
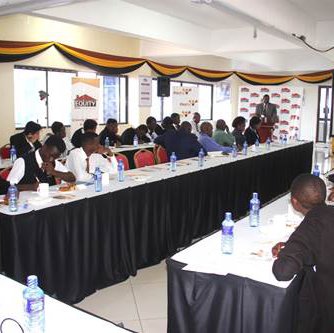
(120, 171)
(33, 301)
(254, 210)
(12, 197)
(135, 141)
(285, 140)
(234, 150)
(201, 158)
(98, 180)
(245, 148)
(227, 234)
(173, 162)
(316, 171)
(107, 142)
(13, 154)
(281, 141)
(268, 142)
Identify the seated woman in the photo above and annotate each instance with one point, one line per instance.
(251, 132)
(239, 125)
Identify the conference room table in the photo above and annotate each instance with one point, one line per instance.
(79, 242)
(59, 317)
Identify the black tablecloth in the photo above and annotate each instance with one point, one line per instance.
(96, 242)
(200, 302)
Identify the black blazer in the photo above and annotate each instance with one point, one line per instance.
(251, 136)
(21, 145)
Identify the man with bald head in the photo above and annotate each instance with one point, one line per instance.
(182, 142)
(222, 134)
(311, 249)
(206, 140)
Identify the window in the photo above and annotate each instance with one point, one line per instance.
(163, 106)
(58, 85)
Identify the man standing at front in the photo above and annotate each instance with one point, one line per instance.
(267, 111)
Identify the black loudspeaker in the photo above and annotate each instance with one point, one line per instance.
(163, 86)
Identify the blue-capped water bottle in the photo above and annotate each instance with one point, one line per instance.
(316, 171)
(285, 139)
(227, 234)
(13, 154)
(234, 150)
(281, 141)
(201, 156)
(98, 179)
(245, 148)
(173, 162)
(107, 142)
(120, 171)
(12, 197)
(254, 210)
(135, 141)
(268, 142)
(33, 303)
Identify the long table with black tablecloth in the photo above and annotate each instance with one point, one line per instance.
(97, 240)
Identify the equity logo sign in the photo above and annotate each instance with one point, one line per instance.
(84, 101)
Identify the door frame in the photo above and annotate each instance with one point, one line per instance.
(329, 129)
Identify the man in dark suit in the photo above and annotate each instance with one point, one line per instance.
(154, 129)
(311, 248)
(89, 125)
(110, 131)
(182, 142)
(267, 110)
(251, 133)
(129, 134)
(28, 140)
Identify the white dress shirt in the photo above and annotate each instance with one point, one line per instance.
(195, 128)
(19, 167)
(77, 163)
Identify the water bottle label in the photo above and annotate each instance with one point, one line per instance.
(227, 231)
(34, 305)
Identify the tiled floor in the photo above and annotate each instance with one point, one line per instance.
(140, 303)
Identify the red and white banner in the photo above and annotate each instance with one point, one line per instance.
(288, 100)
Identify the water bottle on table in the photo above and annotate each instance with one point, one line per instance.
(245, 148)
(268, 142)
(227, 234)
(285, 139)
(120, 171)
(173, 162)
(316, 171)
(201, 158)
(234, 150)
(33, 302)
(254, 210)
(98, 180)
(13, 154)
(12, 197)
(107, 142)
(135, 141)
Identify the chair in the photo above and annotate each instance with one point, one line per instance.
(5, 172)
(143, 158)
(160, 154)
(5, 151)
(121, 157)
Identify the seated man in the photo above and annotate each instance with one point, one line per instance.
(40, 166)
(176, 120)
(110, 131)
(83, 161)
(167, 124)
(239, 125)
(89, 126)
(251, 133)
(59, 129)
(209, 144)
(140, 131)
(311, 248)
(182, 142)
(154, 130)
(222, 134)
(28, 140)
(195, 123)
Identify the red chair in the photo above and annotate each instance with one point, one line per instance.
(4, 173)
(160, 154)
(5, 151)
(121, 157)
(143, 158)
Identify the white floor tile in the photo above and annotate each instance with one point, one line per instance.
(133, 325)
(114, 303)
(158, 325)
(153, 274)
(151, 300)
